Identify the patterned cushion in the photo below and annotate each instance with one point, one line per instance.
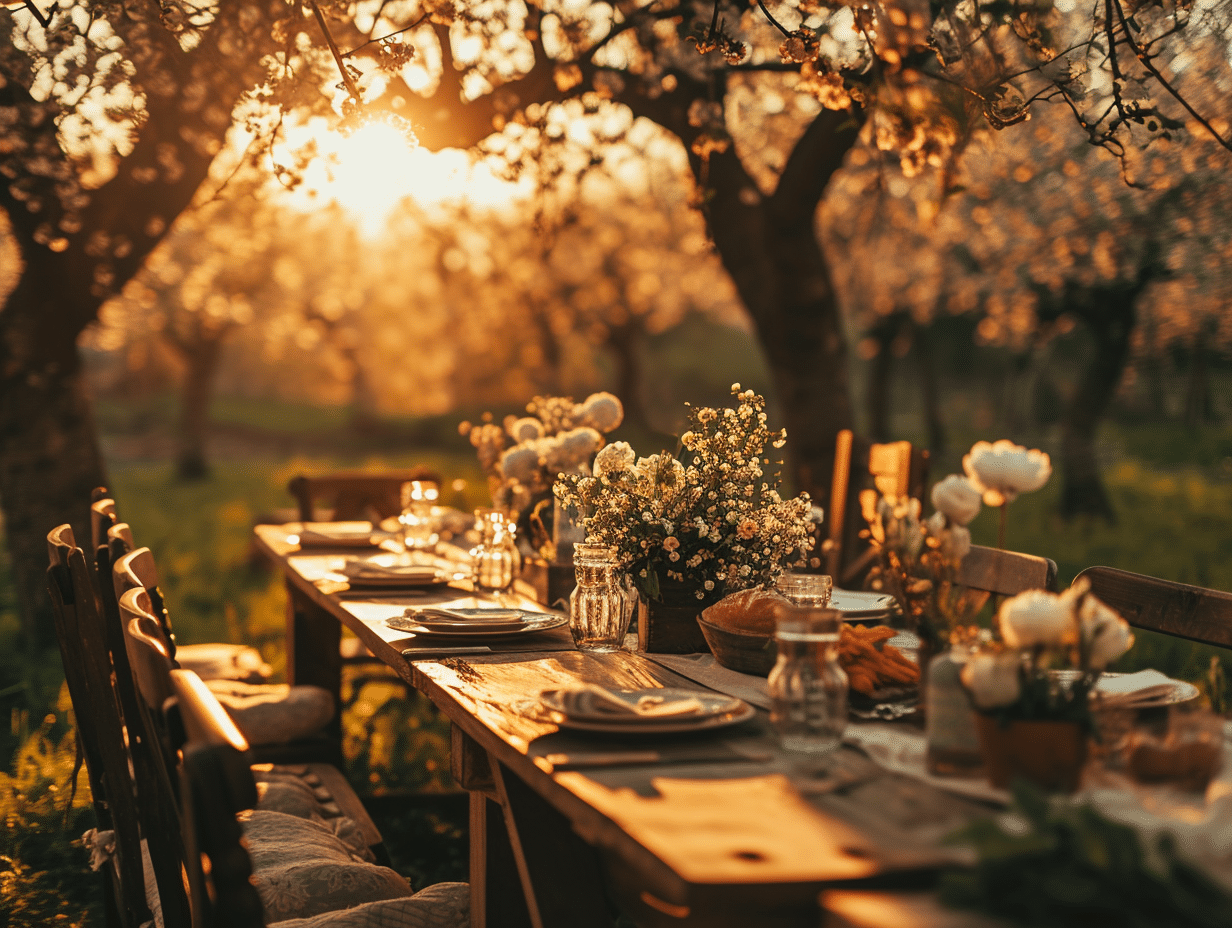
(445, 905)
(224, 662)
(274, 713)
(301, 868)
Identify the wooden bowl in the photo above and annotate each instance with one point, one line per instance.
(743, 651)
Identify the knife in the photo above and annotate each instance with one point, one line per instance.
(426, 652)
(633, 758)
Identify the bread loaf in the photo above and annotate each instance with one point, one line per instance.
(750, 611)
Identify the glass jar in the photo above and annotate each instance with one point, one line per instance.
(805, 589)
(807, 687)
(600, 606)
(951, 733)
(418, 521)
(495, 560)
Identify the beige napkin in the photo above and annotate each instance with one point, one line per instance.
(349, 535)
(590, 701)
(1132, 689)
(412, 573)
(440, 615)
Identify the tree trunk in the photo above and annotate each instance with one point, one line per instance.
(191, 462)
(51, 459)
(770, 248)
(625, 342)
(880, 377)
(1082, 491)
(923, 341)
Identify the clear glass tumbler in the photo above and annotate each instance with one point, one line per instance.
(805, 589)
(495, 560)
(808, 688)
(599, 607)
(418, 523)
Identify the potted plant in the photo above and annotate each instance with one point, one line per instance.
(1031, 689)
(689, 527)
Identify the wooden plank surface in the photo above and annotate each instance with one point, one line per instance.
(1180, 609)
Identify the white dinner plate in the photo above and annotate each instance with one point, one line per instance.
(478, 627)
(717, 711)
(1181, 690)
(858, 604)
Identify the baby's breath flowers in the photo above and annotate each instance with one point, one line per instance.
(704, 522)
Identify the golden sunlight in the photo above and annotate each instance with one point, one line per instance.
(370, 171)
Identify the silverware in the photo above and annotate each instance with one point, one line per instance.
(425, 652)
(634, 758)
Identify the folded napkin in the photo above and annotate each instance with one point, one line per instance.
(437, 615)
(1132, 689)
(358, 535)
(365, 570)
(590, 701)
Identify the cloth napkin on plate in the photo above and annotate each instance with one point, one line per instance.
(1133, 689)
(409, 573)
(592, 701)
(358, 535)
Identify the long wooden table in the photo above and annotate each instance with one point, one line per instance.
(723, 829)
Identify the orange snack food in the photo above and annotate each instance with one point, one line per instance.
(870, 663)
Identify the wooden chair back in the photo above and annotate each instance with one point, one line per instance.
(216, 783)
(100, 727)
(147, 651)
(1178, 609)
(137, 570)
(863, 473)
(1006, 573)
(102, 517)
(355, 494)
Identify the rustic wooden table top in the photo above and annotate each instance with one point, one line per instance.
(711, 812)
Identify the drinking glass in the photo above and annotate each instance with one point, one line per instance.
(808, 688)
(805, 589)
(418, 523)
(600, 606)
(495, 560)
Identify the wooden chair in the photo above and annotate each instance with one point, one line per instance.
(1178, 609)
(1006, 573)
(863, 473)
(291, 717)
(125, 787)
(347, 495)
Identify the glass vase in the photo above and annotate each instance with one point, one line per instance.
(495, 560)
(807, 687)
(600, 605)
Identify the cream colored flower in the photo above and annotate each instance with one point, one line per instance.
(957, 498)
(520, 463)
(746, 529)
(1037, 617)
(614, 458)
(570, 449)
(671, 543)
(525, 429)
(992, 679)
(601, 411)
(1003, 470)
(955, 542)
(1106, 634)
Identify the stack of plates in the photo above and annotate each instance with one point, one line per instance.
(864, 608)
(643, 711)
(474, 623)
(391, 570)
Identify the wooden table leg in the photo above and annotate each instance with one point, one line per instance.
(313, 657)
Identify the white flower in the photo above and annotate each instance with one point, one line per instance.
(955, 542)
(1003, 470)
(616, 457)
(1037, 617)
(957, 498)
(525, 429)
(520, 463)
(992, 679)
(601, 411)
(1106, 634)
(570, 449)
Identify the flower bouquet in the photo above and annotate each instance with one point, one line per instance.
(708, 520)
(523, 455)
(1034, 720)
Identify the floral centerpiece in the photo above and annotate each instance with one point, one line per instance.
(703, 522)
(1002, 470)
(1015, 681)
(919, 559)
(523, 455)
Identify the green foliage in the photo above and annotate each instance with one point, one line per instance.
(394, 740)
(44, 870)
(1067, 866)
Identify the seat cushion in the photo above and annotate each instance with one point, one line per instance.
(274, 713)
(445, 905)
(219, 661)
(300, 790)
(301, 868)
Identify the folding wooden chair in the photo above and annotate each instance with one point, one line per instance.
(347, 495)
(125, 785)
(1006, 573)
(863, 473)
(1178, 609)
